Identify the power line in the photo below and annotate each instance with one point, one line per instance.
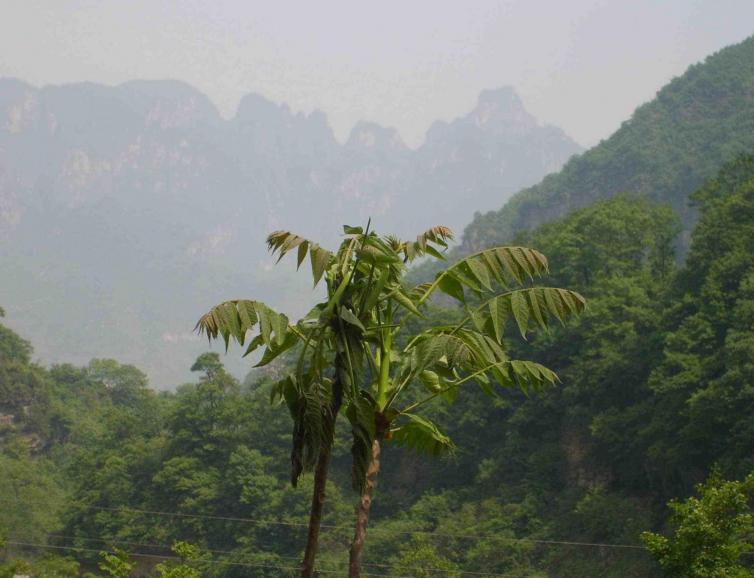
(371, 530)
(210, 561)
(236, 553)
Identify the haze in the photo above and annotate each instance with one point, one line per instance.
(582, 65)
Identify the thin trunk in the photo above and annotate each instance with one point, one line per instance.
(315, 516)
(362, 518)
(320, 481)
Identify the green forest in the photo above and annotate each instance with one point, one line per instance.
(655, 396)
(592, 420)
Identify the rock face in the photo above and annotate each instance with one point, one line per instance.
(125, 211)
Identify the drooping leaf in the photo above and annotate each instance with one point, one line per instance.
(361, 414)
(348, 316)
(503, 265)
(520, 310)
(405, 301)
(451, 286)
(234, 319)
(274, 351)
(421, 435)
(320, 258)
(438, 236)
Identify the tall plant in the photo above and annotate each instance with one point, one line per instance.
(326, 367)
(495, 288)
(347, 354)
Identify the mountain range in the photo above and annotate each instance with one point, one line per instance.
(665, 151)
(126, 211)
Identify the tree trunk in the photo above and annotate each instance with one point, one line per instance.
(320, 482)
(362, 518)
(315, 515)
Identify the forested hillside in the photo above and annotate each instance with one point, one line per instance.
(657, 380)
(664, 151)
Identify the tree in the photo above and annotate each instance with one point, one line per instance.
(314, 391)
(116, 563)
(421, 558)
(347, 348)
(712, 531)
(189, 556)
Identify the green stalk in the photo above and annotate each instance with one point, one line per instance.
(386, 347)
(335, 299)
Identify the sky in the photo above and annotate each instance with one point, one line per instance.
(582, 65)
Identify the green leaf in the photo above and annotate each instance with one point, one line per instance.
(303, 248)
(465, 275)
(405, 301)
(509, 265)
(499, 311)
(257, 342)
(320, 258)
(348, 316)
(430, 379)
(429, 250)
(478, 318)
(421, 435)
(480, 271)
(531, 376)
(534, 306)
(273, 352)
(520, 310)
(451, 286)
(376, 290)
(361, 414)
(554, 305)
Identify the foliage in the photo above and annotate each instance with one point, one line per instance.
(48, 567)
(116, 563)
(355, 330)
(362, 317)
(711, 532)
(420, 558)
(190, 557)
(656, 389)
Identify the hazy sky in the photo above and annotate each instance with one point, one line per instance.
(583, 65)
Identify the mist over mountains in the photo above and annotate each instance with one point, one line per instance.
(125, 211)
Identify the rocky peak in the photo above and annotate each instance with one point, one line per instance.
(501, 108)
(498, 112)
(369, 136)
(169, 104)
(255, 108)
(269, 119)
(18, 104)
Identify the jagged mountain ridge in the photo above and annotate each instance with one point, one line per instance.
(125, 211)
(665, 151)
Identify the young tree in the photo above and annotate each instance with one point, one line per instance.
(329, 357)
(348, 353)
(712, 531)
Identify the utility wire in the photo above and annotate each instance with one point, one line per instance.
(210, 561)
(236, 553)
(372, 530)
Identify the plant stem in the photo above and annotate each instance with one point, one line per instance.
(315, 516)
(320, 478)
(362, 519)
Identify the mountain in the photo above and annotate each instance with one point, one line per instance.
(126, 211)
(664, 151)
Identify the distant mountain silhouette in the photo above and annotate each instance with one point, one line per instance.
(125, 211)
